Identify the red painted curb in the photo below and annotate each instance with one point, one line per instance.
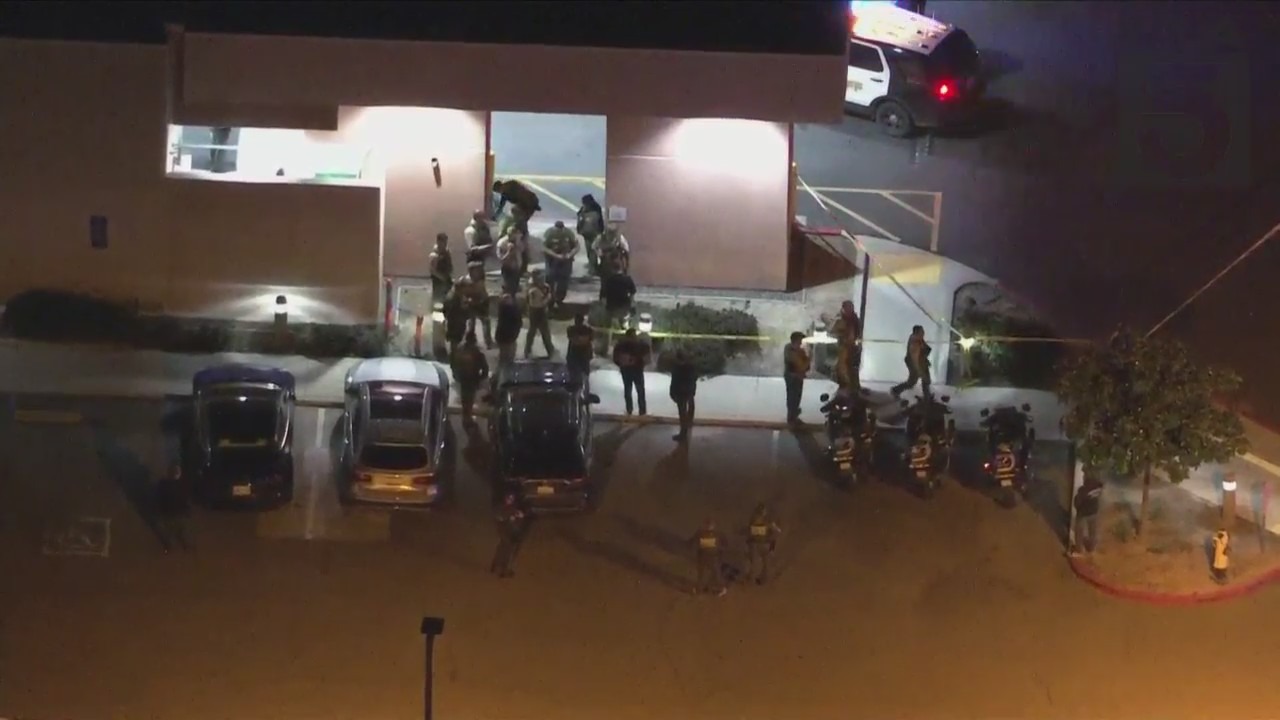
(1084, 570)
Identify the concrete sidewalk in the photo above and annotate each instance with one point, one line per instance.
(42, 368)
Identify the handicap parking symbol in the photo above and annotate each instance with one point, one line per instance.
(82, 537)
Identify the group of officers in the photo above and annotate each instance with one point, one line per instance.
(709, 547)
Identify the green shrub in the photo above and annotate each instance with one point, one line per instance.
(1018, 364)
(178, 335)
(709, 355)
(58, 315)
(332, 341)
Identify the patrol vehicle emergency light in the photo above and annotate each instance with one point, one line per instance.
(885, 22)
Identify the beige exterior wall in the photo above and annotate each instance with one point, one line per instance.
(705, 200)
(83, 132)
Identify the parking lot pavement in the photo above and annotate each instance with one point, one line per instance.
(876, 595)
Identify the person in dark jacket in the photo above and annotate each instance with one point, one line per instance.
(1088, 502)
(441, 266)
(917, 360)
(684, 386)
(455, 316)
(582, 338)
(173, 508)
(516, 193)
(507, 333)
(590, 226)
(512, 525)
(617, 291)
(631, 355)
(470, 368)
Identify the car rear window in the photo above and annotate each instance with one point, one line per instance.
(232, 423)
(394, 457)
(395, 406)
(955, 56)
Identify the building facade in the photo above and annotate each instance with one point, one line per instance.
(353, 154)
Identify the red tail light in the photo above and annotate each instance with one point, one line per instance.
(945, 90)
(422, 479)
(364, 477)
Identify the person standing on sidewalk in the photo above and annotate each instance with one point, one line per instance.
(684, 386)
(173, 508)
(475, 298)
(508, 331)
(762, 540)
(581, 342)
(590, 225)
(479, 239)
(848, 334)
(512, 524)
(795, 366)
(618, 291)
(917, 360)
(1221, 556)
(631, 355)
(537, 298)
(709, 544)
(559, 247)
(511, 260)
(1088, 501)
(470, 368)
(440, 265)
(455, 315)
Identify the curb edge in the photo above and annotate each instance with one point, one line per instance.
(1084, 571)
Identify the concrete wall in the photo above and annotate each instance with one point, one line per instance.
(219, 69)
(83, 132)
(706, 200)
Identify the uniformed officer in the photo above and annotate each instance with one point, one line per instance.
(475, 300)
(522, 200)
(917, 360)
(762, 540)
(581, 338)
(795, 364)
(509, 322)
(559, 246)
(173, 506)
(512, 524)
(1221, 556)
(470, 368)
(479, 239)
(537, 299)
(709, 545)
(455, 315)
(614, 252)
(590, 225)
(511, 259)
(441, 268)
(847, 332)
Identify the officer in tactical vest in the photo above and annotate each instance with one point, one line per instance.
(470, 368)
(762, 540)
(559, 246)
(537, 300)
(441, 268)
(511, 253)
(709, 545)
(455, 314)
(614, 253)
(479, 239)
(475, 300)
(917, 361)
(512, 526)
(590, 225)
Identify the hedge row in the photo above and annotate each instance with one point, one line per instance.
(57, 316)
(1014, 364)
(709, 356)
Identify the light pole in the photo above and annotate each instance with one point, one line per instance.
(432, 627)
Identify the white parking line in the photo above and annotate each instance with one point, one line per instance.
(320, 429)
(549, 194)
(773, 449)
(313, 504)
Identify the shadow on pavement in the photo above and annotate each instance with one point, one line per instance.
(814, 453)
(477, 453)
(132, 477)
(623, 558)
(605, 454)
(654, 536)
(1050, 492)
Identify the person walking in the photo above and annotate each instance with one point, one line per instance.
(708, 545)
(508, 332)
(684, 386)
(173, 509)
(455, 315)
(590, 225)
(537, 298)
(847, 332)
(795, 366)
(440, 265)
(470, 368)
(559, 248)
(762, 541)
(581, 341)
(511, 260)
(917, 361)
(475, 300)
(1088, 501)
(631, 355)
(512, 525)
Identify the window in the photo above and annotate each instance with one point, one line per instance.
(394, 457)
(205, 149)
(396, 406)
(865, 57)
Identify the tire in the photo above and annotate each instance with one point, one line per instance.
(894, 119)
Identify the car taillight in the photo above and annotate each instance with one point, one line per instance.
(364, 477)
(422, 479)
(945, 90)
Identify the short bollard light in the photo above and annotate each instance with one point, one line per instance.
(1229, 500)
(646, 323)
(967, 343)
(820, 336)
(437, 313)
(282, 312)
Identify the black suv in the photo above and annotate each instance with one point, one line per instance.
(541, 430)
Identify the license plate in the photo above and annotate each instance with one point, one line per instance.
(922, 474)
(546, 490)
(241, 490)
(845, 466)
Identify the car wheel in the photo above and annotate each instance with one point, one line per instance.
(894, 119)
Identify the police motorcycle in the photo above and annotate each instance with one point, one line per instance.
(851, 432)
(1010, 438)
(930, 437)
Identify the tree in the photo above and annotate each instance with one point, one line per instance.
(1137, 406)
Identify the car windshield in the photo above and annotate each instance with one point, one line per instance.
(389, 405)
(955, 56)
(394, 457)
(244, 420)
(542, 429)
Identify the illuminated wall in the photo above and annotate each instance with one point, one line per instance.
(705, 200)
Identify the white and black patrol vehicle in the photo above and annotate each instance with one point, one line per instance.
(908, 72)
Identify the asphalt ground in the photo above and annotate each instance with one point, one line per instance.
(883, 604)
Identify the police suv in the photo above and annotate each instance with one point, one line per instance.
(907, 71)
